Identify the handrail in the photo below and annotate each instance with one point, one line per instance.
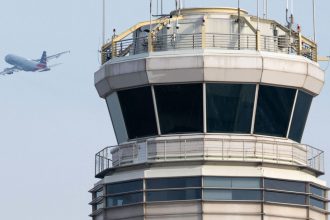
(161, 22)
(212, 149)
(151, 43)
(296, 43)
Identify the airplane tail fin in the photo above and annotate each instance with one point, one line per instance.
(43, 58)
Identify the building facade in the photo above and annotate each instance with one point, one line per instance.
(209, 107)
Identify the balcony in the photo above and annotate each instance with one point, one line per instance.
(208, 32)
(210, 149)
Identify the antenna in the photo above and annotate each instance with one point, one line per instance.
(239, 24)
(257, 15)
(150, 16)
(103, 23)
(161, 7)
(157, 7)
(314, 22)
(264, 11)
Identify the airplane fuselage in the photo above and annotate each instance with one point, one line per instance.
(24, 64)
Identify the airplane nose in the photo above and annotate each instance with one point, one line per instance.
(7, 58)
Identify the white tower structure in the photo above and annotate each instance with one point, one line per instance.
(209, 107)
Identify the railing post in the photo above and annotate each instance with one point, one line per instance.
(307, 150)
(277, 156)
(299, 47)
(243, 150)
(164, 150)
(222, 150)
(114, 49)
(184, 148)
(314, 53)
(133, 151)
(262, 152)
(292, 159)
(96, 164)
(193, 40)
(147, 155)
(319, 161)
(150, 45)
(257, 40)
(204, 33)
(204, 149)
(119, 155)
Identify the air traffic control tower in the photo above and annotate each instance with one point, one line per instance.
(209, 107)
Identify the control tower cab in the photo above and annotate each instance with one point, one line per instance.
(209, 107)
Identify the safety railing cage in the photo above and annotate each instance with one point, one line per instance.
(127, 43)
(210, 149)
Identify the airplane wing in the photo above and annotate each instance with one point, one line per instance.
(9, 71)
(55, 56)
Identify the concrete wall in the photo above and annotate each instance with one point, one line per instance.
(210, 65)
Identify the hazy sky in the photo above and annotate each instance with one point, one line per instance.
(52, 123)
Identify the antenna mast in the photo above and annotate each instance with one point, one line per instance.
(103, 22)
(314, 22)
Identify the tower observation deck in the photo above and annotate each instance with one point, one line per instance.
(209, 107)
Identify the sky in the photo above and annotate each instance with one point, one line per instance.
(52, 123)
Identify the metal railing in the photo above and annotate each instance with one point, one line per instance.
(210, 149)
(231, 41)
(177, 41)
(277, 44)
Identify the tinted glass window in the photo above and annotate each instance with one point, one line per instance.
(223, 182)
(117, 117)
(168, 195)
(125, 199)
(317, 203)
(285, 185)
(317, 191)
(274, 110)
(123, 187)
(299, 119)
(285, 198)
(100, 205)
(181, 182)
(180, 108)
(229, 107)
(99, 193)
(217, 194)
(138, 110)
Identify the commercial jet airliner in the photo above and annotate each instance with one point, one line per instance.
(23, 64)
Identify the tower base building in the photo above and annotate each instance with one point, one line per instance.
(209, 107)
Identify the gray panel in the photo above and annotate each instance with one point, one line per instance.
(132, 212)
(117, 117)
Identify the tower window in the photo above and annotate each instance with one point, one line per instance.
(300, 114)
(222, 194)
(180, 108)
(126, 199)
(285, 185)
(274, 110)
(138, 110)
(229, 107)
(173, 195)
(168, 183)
(281, 197)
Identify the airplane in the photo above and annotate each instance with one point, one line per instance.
(23, 64)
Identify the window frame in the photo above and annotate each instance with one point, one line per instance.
(262, 189)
